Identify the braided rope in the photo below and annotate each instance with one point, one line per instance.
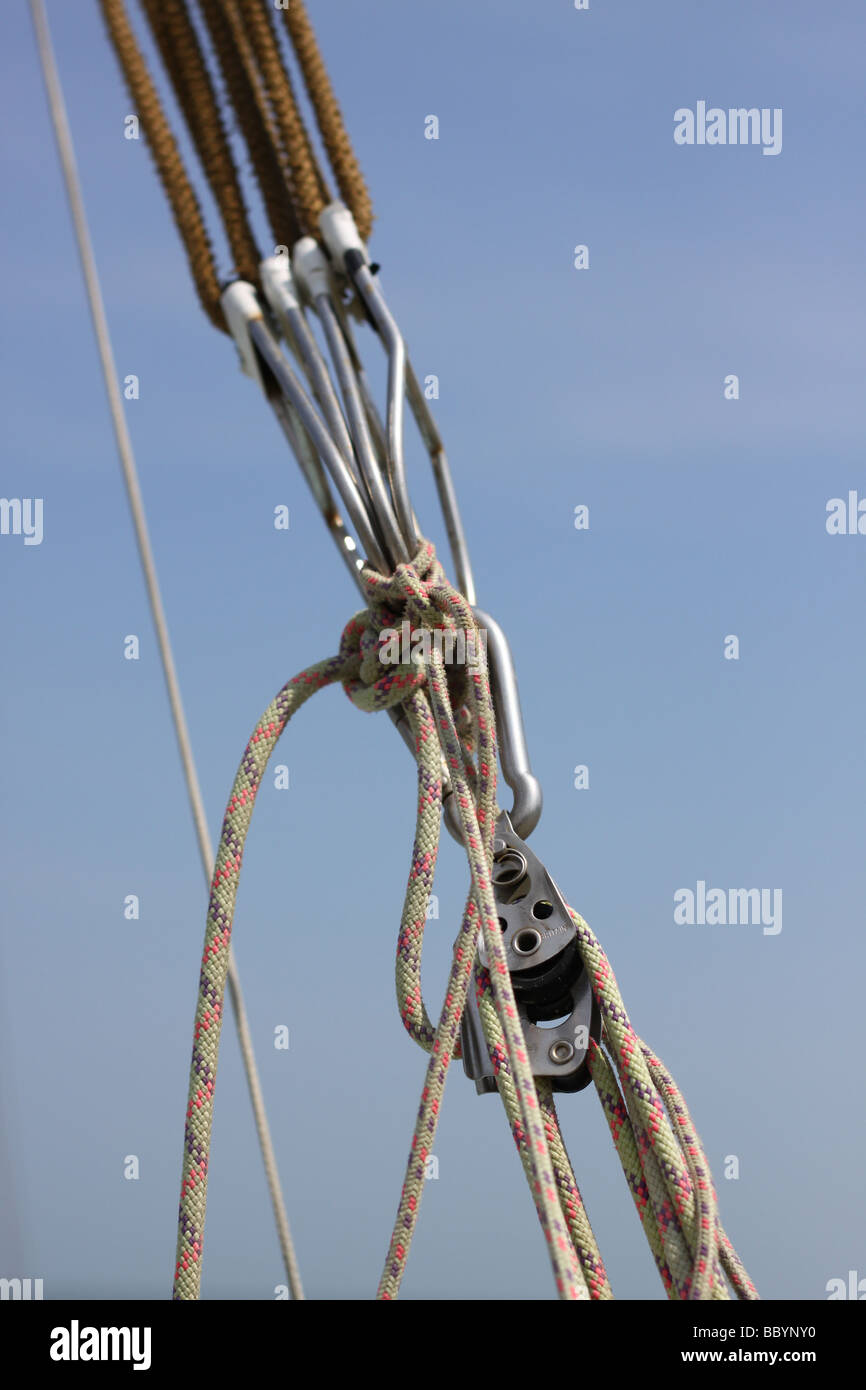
(474, 791)
(679, 1115)
(662, 1158)
(308, 189)
(426, 595)
(661, 1154)
(335, 138)
(185, 64)
(625, 1143)
(247, 97)
(667, 1169)
(214, 967)
(425, 849)
(571, 1202)
(166, 156)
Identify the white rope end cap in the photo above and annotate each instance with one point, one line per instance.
(278, 283)
(241, 307)
(340, 234)
(310, 265)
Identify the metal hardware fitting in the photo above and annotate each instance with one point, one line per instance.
(557, 1010)
(343, 440)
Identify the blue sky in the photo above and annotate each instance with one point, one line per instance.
(558, 387)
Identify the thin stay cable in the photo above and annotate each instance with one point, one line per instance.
(130, 475)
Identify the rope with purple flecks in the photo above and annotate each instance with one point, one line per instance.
(214, 968)
(421, 591)
(477, 808)
(450, 712)
(431, 602)
(661, 1154)
(659, 1148)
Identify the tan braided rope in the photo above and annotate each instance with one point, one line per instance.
(308, 189)
(186, 67)
(166, 156)
(257, 90)
(248, 97)
(332, 129)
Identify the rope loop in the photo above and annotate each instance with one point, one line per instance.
(656, 1141)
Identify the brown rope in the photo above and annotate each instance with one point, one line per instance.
(347, 173)
(249, 99)
(184, 62)
(172, 174)
(259, 90)
(308, 188)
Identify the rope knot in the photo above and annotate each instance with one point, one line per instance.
(414, 615)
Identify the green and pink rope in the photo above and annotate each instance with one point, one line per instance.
(451, 716)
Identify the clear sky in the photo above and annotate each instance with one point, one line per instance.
(558, 387)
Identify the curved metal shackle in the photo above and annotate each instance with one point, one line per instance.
(262, 359)
(513, 752)
(313, 274)
(528, 801)
(349, 255)
(371, 498)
